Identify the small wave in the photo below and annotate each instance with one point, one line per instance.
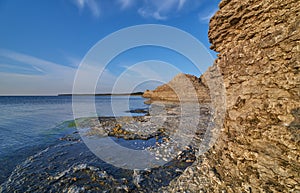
(71, 167)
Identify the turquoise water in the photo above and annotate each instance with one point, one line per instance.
(29, 124)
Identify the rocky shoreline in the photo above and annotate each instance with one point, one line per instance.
(70, 166)
(257, 149)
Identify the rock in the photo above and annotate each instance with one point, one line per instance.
(138, 111)
(258, 149)
(183, 87)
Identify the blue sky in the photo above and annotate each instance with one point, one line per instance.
(42, 43)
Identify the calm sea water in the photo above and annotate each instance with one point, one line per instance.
(28, 124)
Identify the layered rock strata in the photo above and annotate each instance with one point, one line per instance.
(183, 87)
(258, 149)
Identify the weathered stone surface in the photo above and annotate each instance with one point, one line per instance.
(183, 87)
(258, 149)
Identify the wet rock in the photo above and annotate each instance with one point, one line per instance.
(139, 111)
(69, 166)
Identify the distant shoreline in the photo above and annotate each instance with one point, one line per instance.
(69, 94)
(105, 94)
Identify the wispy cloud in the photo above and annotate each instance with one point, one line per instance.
(181, 4)
(145, 75)
(72, 60)
(17, 69)
(161, 10)
(52, 78)
(155, 9)
(125, 4)
(41, 65)
(92, 5)
(205, 17)
(23, 79)
(23, 74)
(35, 63)
(150, 14)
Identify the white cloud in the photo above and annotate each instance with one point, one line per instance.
(92, 5)
(54, 78)
(157, 16)
(166, 5)
(126, 3)
(144, 75)
(36, 63)
(181, 4)
(160, 10)
(5, 67)
(80, 3)
(205, 17)
(155, 9)
(73, 61)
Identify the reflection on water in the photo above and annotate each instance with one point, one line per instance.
(67, 165)
(70, 166)
(29, 124)
(137, 144)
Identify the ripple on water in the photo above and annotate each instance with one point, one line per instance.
(70, 166)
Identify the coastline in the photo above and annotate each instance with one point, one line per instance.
(68, 161)
(105, 94)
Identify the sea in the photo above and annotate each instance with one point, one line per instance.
(29, 124)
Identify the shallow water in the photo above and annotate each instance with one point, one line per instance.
(70, 167)
(137, 144)
(29, 124)
(62, 162)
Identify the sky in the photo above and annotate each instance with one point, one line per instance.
(43, 44)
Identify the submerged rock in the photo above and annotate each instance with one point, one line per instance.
(138, 111)
(70, 166)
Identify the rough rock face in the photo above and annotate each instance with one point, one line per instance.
(183, 87)
(258, 149)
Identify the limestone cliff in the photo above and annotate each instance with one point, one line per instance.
(183, 87)
(258, 149)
